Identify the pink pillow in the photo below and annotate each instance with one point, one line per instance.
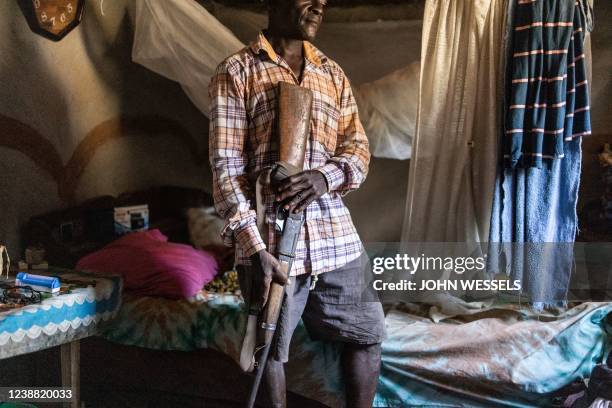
(152, 266)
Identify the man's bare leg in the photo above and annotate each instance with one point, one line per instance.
(275, 383)
(360, 368)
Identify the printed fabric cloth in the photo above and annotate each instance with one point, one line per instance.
(598, 393)
(63, 318)
(549, 93)
(243, 110)
(502, 355)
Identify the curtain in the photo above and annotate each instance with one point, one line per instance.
(455, 150)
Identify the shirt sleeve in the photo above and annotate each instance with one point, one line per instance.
(227, 139)
(348, 168)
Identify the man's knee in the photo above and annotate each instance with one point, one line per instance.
(369, 354)
(274, 364)
(365, 348)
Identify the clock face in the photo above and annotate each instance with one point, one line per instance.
(52, 18)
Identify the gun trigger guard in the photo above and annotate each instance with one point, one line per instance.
(315, 278)
(281, 216)
(257, 350)
(279, 225)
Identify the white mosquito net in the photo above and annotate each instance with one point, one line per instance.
(182, 41)
(388, 108)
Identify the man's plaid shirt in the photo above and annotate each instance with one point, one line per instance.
(243, 109)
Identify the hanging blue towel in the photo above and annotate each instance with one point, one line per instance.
(534, 224)
(549, 95)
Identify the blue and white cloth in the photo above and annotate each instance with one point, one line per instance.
(60, 319)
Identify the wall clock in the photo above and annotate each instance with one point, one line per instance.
(52, 19)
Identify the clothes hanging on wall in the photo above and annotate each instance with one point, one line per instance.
(534, 219)
(549, 100)
(454, 155)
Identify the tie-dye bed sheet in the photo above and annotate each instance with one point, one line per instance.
(495, 356)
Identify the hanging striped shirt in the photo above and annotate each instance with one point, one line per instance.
(243, 110)
(549, 94)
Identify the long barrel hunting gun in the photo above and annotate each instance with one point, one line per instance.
(291, 134)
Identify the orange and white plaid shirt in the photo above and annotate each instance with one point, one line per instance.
(243, 109)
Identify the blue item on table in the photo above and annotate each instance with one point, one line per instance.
(39, 282)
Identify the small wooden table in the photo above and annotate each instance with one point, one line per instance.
(62, 321)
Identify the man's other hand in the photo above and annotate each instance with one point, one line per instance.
(301, 189)
(272, 272)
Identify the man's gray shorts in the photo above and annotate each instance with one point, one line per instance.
(338, 309)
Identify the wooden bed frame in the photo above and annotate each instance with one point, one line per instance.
(114, 375)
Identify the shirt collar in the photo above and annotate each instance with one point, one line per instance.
(311, 53)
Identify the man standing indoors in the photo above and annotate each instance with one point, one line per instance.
(326, 282)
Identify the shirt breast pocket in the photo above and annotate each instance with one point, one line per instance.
(326, 117)
(261, 123)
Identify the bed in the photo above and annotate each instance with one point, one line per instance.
(493, 355)
(483, 354)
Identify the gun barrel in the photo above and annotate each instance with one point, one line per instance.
(258, 375)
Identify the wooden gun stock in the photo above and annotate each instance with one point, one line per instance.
(293, 126)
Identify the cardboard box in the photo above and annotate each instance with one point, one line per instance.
(131, 219)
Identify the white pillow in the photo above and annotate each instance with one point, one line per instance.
(205, 227)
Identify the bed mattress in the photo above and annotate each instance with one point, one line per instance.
(490, 355)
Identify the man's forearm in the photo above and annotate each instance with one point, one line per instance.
(334, 176)
(249, 239)
(231, 202)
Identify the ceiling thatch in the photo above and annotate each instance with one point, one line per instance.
(332, 3)
(344, 10)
